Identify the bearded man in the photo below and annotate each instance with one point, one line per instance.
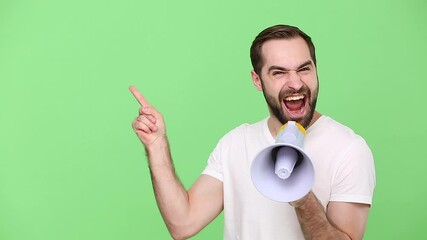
(284, 69)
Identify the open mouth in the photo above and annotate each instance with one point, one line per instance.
(295, 105)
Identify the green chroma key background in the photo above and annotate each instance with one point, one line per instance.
(71, 166)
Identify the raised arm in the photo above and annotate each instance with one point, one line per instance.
(185, 213)
(342, 220)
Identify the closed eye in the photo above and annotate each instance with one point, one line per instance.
(278, 73)
(304, 69)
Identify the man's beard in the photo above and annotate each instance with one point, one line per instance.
(278, 112)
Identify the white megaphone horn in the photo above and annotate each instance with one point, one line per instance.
(283, 171)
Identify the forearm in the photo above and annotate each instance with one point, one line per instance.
(171, 196)
(314, 222)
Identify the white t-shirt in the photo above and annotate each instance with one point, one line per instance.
(344, 172)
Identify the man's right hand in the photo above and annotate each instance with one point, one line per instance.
(149, 124)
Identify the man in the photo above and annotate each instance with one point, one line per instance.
(284, 62)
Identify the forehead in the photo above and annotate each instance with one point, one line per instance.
(287, 53)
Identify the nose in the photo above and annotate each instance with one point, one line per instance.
(294, 81)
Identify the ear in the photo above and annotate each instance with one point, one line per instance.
(256, 80)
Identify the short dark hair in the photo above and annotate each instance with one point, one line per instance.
(277, 32)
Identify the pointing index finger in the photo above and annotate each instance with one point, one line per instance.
(139, 97)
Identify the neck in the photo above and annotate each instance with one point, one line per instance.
(274, 124)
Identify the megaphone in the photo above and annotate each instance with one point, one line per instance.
(283, 172)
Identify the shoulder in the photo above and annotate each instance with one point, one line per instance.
(330, 134)
(246, 132)
(326, 126)
(246, 129)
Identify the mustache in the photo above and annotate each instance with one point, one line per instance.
(304, 90)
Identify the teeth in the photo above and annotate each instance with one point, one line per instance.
(294, 98)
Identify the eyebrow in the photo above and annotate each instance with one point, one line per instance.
(274, 67)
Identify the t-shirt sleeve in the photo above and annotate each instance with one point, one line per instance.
(214, 165)
(354, 179)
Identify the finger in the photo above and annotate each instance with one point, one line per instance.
(146, 121)
(139, 96)
(150, 117)
(144, 125)
(138, 126)
(151, 114)
(148, 111)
